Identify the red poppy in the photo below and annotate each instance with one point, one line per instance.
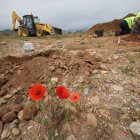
(75, 97)
(62, 92)
(37, 92)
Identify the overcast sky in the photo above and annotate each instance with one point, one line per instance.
(67, 14)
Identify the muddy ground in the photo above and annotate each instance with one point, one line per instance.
(105, 71)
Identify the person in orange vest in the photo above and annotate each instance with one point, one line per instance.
(128, 24)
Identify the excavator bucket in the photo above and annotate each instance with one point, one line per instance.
(56, 31)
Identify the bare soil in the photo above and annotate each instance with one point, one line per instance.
(107, 76)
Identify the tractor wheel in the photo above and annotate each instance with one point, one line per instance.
(19, 31)
(39, 32)
(25, 32)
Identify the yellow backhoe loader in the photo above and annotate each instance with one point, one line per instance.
(30, 25)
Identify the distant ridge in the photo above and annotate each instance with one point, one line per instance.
(8, 32)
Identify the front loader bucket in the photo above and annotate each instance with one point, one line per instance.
(56, 31)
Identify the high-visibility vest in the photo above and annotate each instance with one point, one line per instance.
(130, 21)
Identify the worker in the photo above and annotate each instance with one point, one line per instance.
(128, 24)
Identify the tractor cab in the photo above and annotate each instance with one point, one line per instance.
(28, 24)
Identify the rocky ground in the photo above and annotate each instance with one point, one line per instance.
(105, 71)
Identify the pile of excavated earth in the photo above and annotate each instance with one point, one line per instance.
(109, 26)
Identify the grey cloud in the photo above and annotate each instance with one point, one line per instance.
(68, 13)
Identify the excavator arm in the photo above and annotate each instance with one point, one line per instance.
(15, 18)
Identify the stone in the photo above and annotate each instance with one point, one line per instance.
(137, 110)
(135, 127)
(8, 96)
(29, 112)
(15, 131)
(96, 100)
(52, 68)
(67, 127)
(103, 67)
(103, 72)
(20, 115)
(71, 137)
(48, 99)
(3, 43)
(3, 111)
(15, 107)
(91, 120)
(86, 91)
(118, 88)
(5, 134)
(115, 114)
(9, 117)
(1, 127)
(2, 101)
(30, 127)
(80, 79)
(94, 71)
(54, 80)
(12, 125)
(98, 57)
(116, 57)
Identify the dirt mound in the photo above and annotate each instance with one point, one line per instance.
(23, 72)
(132, 37)
(109, 26)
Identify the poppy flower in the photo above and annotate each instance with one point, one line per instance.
(62, 92)
(37, 92)
(75, 97)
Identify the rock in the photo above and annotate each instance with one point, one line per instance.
(71, 137)
(118, 88)
(3, 43)
(15, 131)
(3, 111)
(80, 79)
(94, 71)
(20, 115)
(96, 100)
(91, 120)
(2, 101)
(86, 91)
(59, 71)
(114, 113)
(116, 57)
(15, 108)
(12, 125)
(135, 127)
(137, 110)
(14, 91)
(9, 117)
(5, 134)
(52, 68)
(98, 57)
(29, 112)
(103, 67)
(30, 127)
(48, 99)
(103, 72)
(54, 80)
(8, 96)
(1, 127)
(67, 127)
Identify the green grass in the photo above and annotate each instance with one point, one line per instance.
(129, 70)
(131, 60)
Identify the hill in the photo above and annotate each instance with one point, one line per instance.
(8, 32)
